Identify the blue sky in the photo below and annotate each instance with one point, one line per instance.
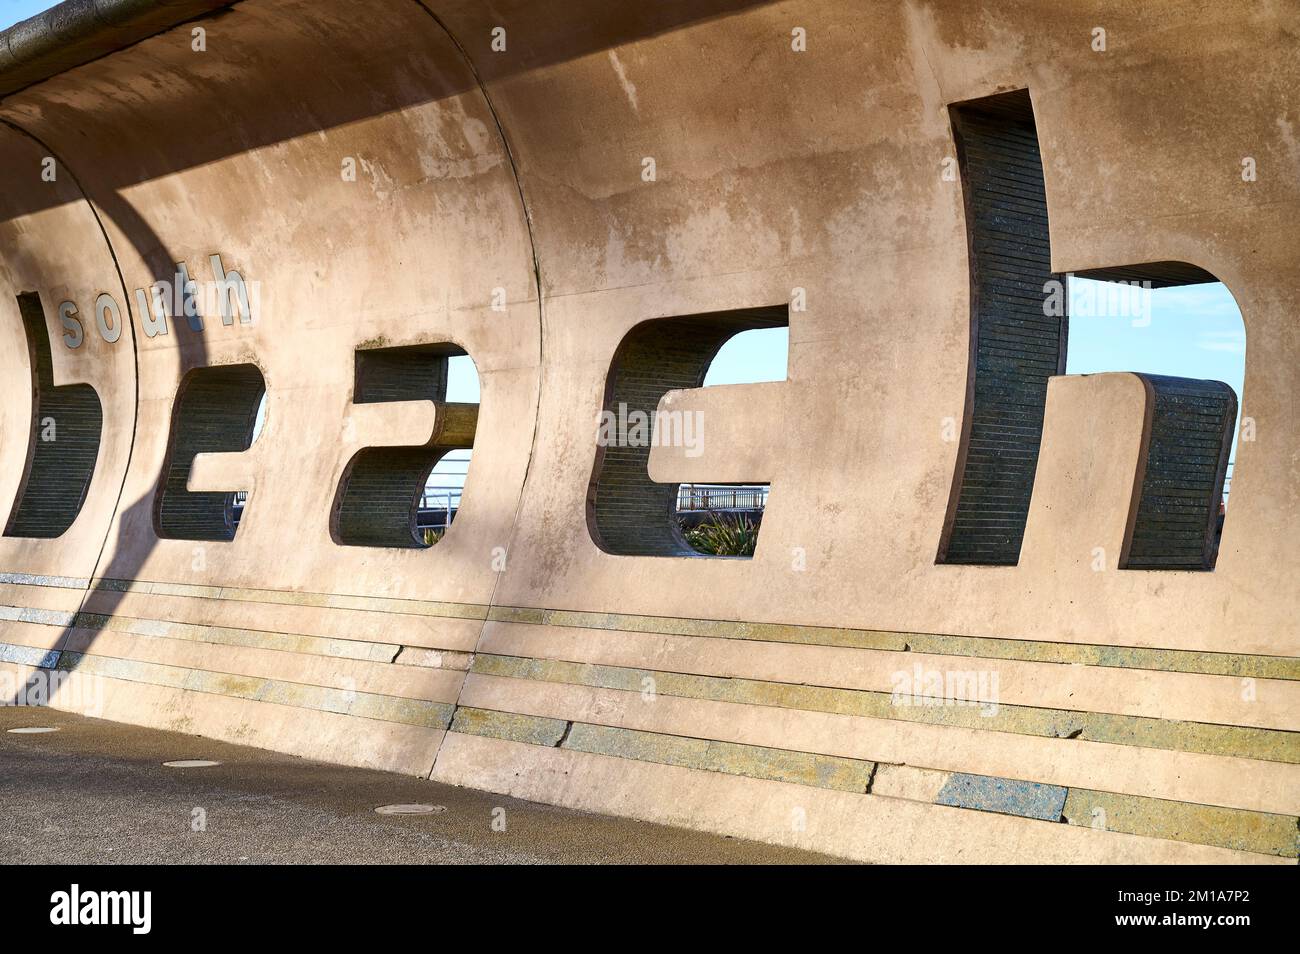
(1194, 332)
(11, 11)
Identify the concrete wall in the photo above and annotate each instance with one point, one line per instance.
(773, 698)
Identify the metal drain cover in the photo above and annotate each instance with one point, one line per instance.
(410, 809)
(191, 763)
(34, 729)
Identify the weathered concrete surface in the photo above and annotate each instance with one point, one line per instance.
(499, 205)
(97, 793)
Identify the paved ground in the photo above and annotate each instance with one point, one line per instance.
(96, 792)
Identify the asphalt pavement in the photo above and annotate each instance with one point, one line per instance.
(97, 792)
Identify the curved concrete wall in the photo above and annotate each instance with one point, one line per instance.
(501, 205)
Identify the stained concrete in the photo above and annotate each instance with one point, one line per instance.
(1003, 795)
(96, 792)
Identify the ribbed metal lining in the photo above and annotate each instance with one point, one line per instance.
(59, 469)
(1176, 525)
(379, 496)
(631, 514)
(1016, 346)
(215, 411)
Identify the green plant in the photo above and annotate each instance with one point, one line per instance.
(724, 535)
(432, 536)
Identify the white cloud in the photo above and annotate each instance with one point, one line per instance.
(1231, 342)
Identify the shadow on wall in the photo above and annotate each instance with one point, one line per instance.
(126, 561)
(550, 40)
(210, 517)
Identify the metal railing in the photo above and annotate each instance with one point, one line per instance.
(1227, 486)
(438, 507)
(440, 502)
(693, 497)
